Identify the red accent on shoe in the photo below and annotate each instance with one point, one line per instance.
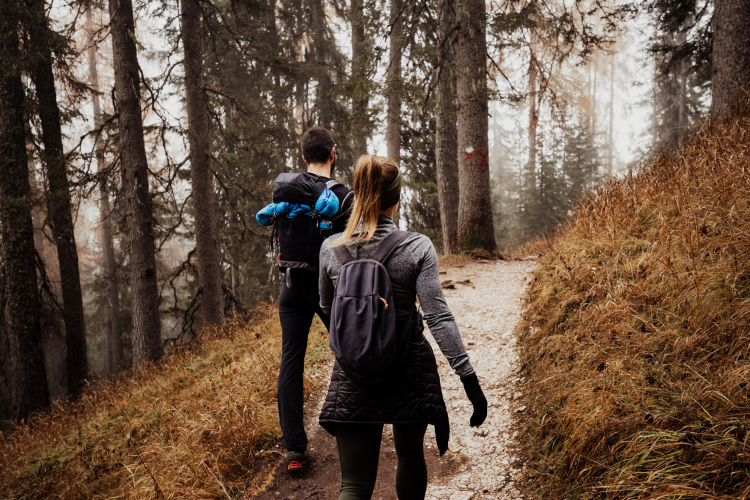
(294, 465)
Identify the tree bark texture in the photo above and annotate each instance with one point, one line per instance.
(446, 151)
(682, 82)
(206, 239)
(147, 345)
(22, 305)
(320, 56)
(475, 225)
(533, 123)
(115, 354)
(594, 60)
(611, 135)
(59, 211)
(360, 100)
(731, 52)
(393, 125)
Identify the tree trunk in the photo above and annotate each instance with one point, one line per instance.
(682, 82)
(320, 56)
(393, 125)
(591, 87)
(58, 198)
(206, 239)
(360, 100)
(731, 52)
(22, 305)
(654, 111)
(611, 137)
(115, 354)
(533, 123)
(446, 151)
(147, 345)
(475, 225)
(593, 96)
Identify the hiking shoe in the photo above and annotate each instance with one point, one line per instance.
(295, 459)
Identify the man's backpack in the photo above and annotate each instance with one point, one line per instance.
(363, 334)
(296, 240)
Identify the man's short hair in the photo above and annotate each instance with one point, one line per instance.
(317, 144)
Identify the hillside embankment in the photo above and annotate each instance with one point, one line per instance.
(637, 340)
(199, 425)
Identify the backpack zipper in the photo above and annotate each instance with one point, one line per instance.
(380, 339)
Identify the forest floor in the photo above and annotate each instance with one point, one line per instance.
(482, 463)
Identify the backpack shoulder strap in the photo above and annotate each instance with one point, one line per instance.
(342, 252)
(332, 184)
(346, 198)
(389, 244)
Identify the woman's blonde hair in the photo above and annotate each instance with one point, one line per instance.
(372, 174)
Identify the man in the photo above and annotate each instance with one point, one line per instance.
(299, 241)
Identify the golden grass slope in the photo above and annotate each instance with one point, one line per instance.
(193, 427)
(637, 337)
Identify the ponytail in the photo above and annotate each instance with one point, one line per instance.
(372, 176)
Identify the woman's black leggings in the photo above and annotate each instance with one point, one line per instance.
(359, 450)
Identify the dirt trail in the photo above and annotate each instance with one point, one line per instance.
(481, 463)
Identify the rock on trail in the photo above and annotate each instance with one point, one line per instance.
(481, 463)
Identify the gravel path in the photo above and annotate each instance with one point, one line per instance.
(481, 463)
(487, 311)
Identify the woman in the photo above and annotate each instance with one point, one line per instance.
(412, 399)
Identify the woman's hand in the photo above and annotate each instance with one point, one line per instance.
(476, 396)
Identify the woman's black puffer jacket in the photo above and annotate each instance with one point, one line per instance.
(413, 394)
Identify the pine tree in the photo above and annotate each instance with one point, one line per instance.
(446, 151)
(206, 239)
(22, 306)
(580, 164)
(393, 125)
(360, 98)
(115, 354)
(146, 335)
(42, 42)
(475, 225)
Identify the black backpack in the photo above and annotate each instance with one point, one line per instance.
(296, 242)
(363, 334)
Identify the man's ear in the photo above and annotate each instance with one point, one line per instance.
(305, 160)
(332, 156)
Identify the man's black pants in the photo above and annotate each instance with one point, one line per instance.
(297, 306)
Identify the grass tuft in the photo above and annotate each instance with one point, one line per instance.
(197, 425)
(637, 339)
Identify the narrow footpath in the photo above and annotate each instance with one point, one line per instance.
(482, 463)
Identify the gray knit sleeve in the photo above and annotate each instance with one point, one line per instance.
(438, 316)
(325, 283)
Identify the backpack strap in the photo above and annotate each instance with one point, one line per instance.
(332, 184)
(343, 203)
(389, 244)
(343, 254)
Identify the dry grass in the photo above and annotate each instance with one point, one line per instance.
(198, 425)
(637, 340)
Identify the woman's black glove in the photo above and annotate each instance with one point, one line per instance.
(476, 396)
